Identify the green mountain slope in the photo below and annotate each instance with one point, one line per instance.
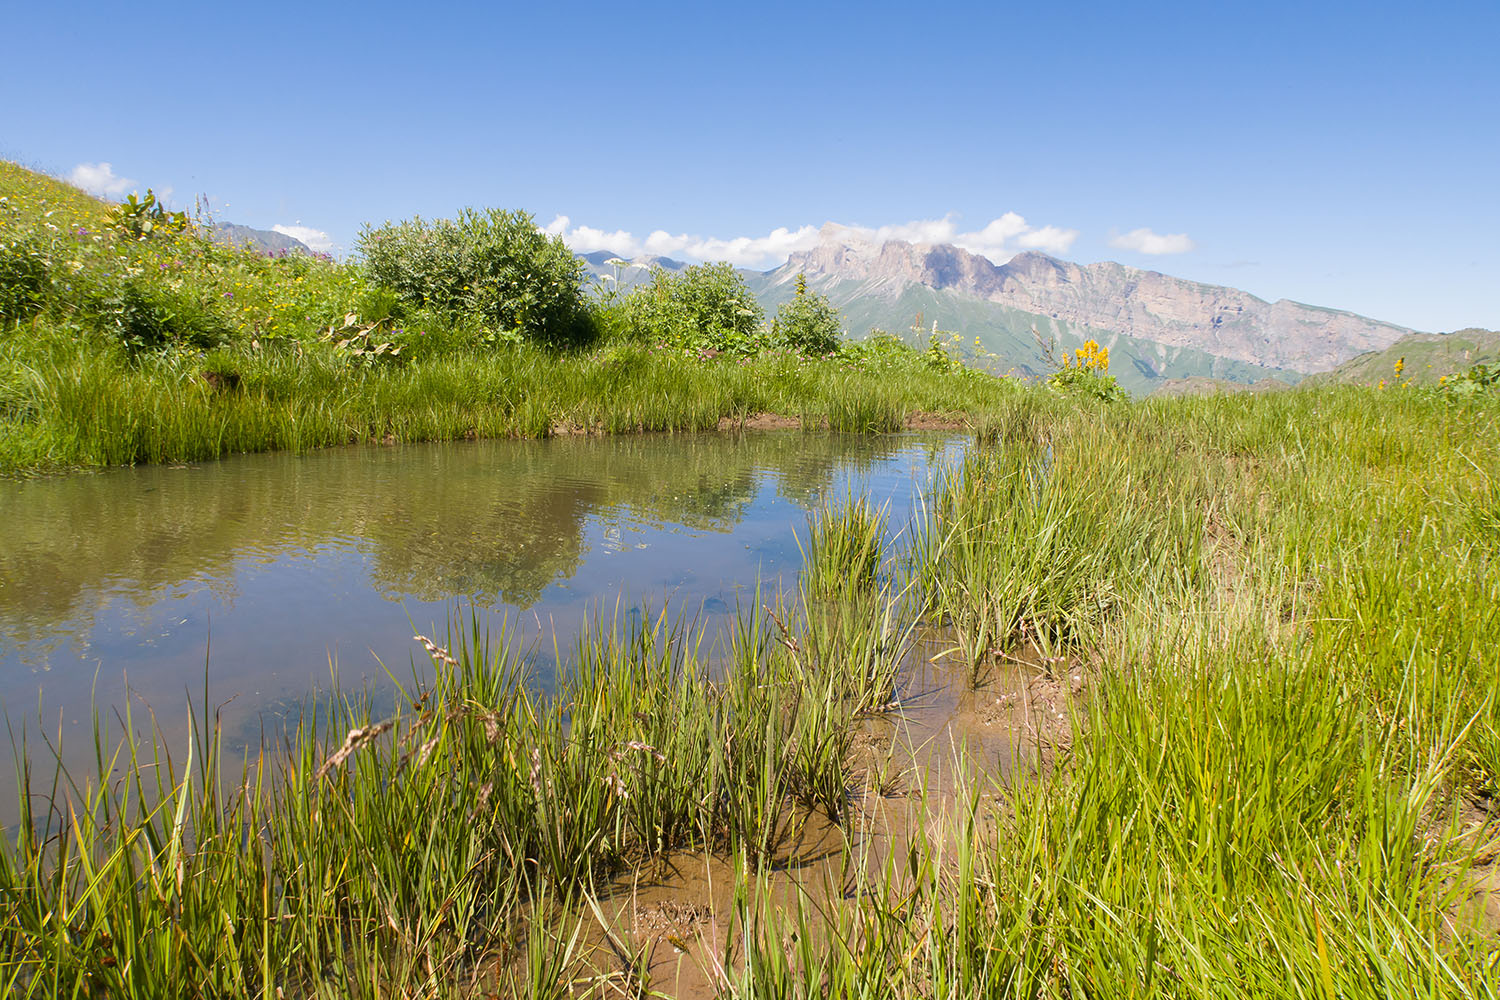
(1429, 356)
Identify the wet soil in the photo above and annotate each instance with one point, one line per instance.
(1478, 823)
(946, 745)
(914, 768)
(761, 422)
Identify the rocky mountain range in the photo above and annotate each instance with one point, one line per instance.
(1158, 327)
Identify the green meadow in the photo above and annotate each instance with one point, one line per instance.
(121, 347)
(1239, 651)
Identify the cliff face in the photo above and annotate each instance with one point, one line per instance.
(1224, 322)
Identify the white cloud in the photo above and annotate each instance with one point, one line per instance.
(1006, 236)
(1145, 241)
(99, 179)
(314, 239)
(1049, 239)
(1000, 240)
(742, 251)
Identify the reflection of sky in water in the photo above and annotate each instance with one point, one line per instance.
(290, 569)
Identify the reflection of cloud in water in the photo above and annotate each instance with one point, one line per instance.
(287, 562)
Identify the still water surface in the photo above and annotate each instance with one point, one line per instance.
(263, 572)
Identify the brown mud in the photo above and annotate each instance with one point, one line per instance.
(945, 747)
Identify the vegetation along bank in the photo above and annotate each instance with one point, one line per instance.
(1226, 666)
(130, 337)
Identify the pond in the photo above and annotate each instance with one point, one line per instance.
(262, 575)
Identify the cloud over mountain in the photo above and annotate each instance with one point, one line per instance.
(313, 239)
(1145, 241)
(999, 240)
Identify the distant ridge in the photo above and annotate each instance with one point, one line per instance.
(1106, 297)
(633, 272)
(231, 234)
(1160, 329)
(599, 259)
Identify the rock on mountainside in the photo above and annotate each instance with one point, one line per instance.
(1109, 298)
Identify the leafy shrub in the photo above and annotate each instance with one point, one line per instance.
(140, 218)
(807, 322)
(1479, 378)
(705, 307)
(146, 317)
(363, 344)
(23, 278)
(495, 264)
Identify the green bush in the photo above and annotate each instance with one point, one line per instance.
(140, 218)
(147, 317)
(23, 278)
(807, 322)
(1479, 378)
(706, 307)
(493, 264)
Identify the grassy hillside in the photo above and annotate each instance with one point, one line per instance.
(1429, 357)
(121, 346)
(1202, 385)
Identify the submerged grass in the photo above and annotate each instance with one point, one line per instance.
(1279, 781)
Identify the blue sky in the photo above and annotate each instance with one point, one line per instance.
(1339, 154)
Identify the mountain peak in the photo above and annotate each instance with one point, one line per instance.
(892, 265)
(833, 232)
(1103, 299)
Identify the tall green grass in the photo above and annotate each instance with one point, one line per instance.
(1280, 782)
(1278, 779)
(66, 404)
(366, 856)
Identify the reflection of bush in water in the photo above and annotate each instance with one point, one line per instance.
(511, 546)
(490, 519)
(804, 477)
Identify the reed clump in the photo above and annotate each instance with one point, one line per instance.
(398, 852)
(845, 546)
